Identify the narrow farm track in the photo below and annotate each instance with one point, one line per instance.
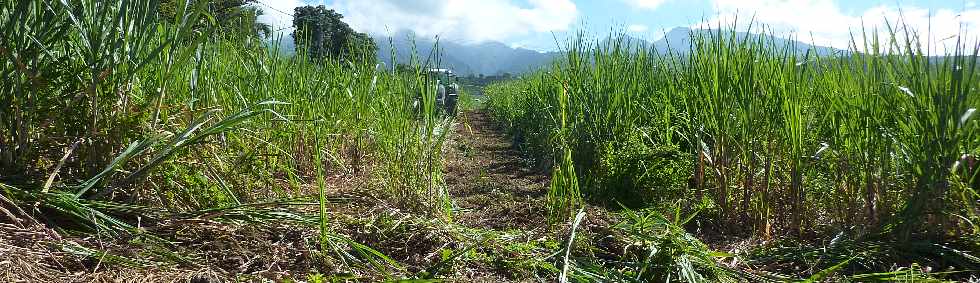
(499, 225)
(496, 188)
(492, 185)
(499, 221)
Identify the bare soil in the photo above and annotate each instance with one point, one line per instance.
(498, 231)
(492, 184)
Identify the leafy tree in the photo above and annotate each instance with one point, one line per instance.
(231, 16)
(322, 33)
(361, 47)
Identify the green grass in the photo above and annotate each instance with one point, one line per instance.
(172, 94)
(782, 142)
(110, 116)
(104, 106)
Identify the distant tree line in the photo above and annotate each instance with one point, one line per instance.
(321, 33)
(482, 80)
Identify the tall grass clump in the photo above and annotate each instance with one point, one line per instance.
(660, 250)
(876, 141)
(104, 104)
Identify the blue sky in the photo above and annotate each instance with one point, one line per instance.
(534, 24)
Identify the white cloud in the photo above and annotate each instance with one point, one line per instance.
(824, 23)
(460, 20)
(971, 4)
(637, 28)
(646, 4)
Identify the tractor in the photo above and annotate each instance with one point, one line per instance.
(447, 89)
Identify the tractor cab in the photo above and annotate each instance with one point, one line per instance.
(447, 89)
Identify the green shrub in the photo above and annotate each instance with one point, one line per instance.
(636, 172)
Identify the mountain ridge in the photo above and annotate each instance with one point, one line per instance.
(496, 58)
(488, 58)
(491, 57)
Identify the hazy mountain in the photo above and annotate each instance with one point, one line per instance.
(486, 58)
(679, 40)
(493, 58)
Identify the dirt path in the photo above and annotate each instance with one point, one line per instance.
(499, 228)
(496, 189)
(493, 186)
(499, 224)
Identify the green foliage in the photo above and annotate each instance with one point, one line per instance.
(637, 173)
(62, 62)
(564, 194)
(514, 104)
(468, 99)
(661, 251)
(873, 258)
(231, 16)
(105, 106)
(770, 135)
(321, 33)
(880, 140)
